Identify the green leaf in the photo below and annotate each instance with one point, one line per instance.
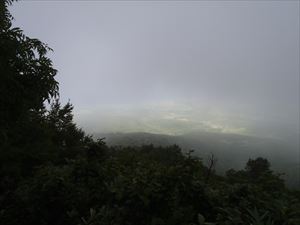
(201, 219)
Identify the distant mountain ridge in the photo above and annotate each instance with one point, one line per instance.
(231, 150)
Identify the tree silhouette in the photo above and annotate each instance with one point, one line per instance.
(27, 76)
(257, 167)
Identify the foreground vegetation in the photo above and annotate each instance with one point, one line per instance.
(52, 173)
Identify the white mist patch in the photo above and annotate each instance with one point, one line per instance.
(164, 118)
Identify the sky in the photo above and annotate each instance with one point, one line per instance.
(174, 67)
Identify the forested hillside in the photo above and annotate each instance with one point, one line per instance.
(52, 173)
(232, 150)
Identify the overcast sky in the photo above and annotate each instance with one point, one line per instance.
(173, 67)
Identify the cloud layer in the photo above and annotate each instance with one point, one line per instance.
(173, 67)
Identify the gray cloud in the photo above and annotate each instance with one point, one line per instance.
(234, 65)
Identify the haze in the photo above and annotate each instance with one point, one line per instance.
(174, 67)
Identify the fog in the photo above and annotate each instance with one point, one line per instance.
(174, 67)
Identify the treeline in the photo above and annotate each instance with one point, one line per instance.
(52, 173)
